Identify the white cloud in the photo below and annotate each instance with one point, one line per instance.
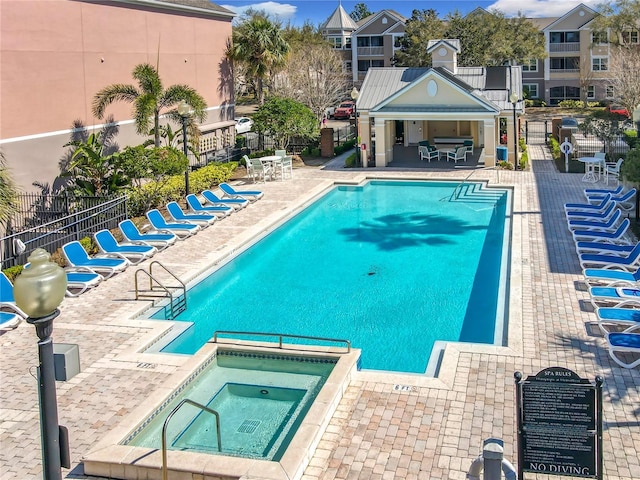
(279, 11)
(539, 8)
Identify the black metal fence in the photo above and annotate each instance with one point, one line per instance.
(259, 142)
(51, 221)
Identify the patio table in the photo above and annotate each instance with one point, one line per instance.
(590, 164)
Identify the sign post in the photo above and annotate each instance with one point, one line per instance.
(559, 424)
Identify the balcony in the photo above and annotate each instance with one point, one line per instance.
(371, 51)
(564, 47)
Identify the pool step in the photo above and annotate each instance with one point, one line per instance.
(159, 289)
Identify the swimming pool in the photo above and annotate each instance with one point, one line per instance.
(393, 266)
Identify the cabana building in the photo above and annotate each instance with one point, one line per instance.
(444, 104)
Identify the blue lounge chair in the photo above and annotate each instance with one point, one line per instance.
(134, 252)
(623, 342)
(7, 299)
(106, 264)
(181, 228)
(620, 262)
(157, 238)
(612, 277)
(589, 192)
(196, 206)
(608, 235)
(596, 224)
(9, 320)
(604, 247)
(229, 191)
(618, 317)
(615, 295)
(590, 207)
(81, 279)
(213, 199)
(624, 200)
(202, 219)
(592, 215)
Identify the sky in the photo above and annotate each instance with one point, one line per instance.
(318, 11)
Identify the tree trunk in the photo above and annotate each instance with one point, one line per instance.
(156, 128)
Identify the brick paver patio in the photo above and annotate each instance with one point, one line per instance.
(433, 430)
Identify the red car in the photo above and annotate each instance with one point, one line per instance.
(618, 110)
(345, 110)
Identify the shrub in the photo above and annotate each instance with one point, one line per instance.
(631, 138)
(554, 146)
(350, 161)
(345, 146)
(503, 164)
(571, 104)
(630, 169)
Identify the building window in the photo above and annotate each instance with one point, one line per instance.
(530, 90)
(530, 66)
(564, 37)
(336, 42)
(377, 63)
(565, 92)
(630, 36)
(599, 38)
(609, 91)
(565, 63)
(397, 41)
(370, 41)
(591, 92)
(347, 43)
(599, 64)
(364, 65)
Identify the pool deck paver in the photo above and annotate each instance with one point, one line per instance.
(433, 430)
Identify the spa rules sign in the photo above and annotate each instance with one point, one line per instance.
(559, 424)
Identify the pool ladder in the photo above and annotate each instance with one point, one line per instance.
(177, 294)
(165, 472)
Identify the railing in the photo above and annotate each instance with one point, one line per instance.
(371, 51)
(176, 305)
(52, 234)
(564, 47)
(281, 336)
(165, 472)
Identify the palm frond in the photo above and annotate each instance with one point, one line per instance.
(110, 94)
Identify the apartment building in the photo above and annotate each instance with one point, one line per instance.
(576, 66)
(52, 65)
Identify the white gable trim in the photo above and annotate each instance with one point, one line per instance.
(485, 104)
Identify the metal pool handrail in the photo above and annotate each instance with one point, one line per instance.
(280, 337)
(166, 423)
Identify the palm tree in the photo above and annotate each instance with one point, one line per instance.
(150, 99)
(260, 47)
(8, 193)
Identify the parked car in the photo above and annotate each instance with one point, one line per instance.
(344, 110)
(570, 124)
(243, 125)
(618, 110)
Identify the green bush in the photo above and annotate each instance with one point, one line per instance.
(554, 146)
(631, 138)
(535, 102)
(630, 169)
(503, 164)
(350, 161)
(571, 104)
(345, 146)
(241, 142)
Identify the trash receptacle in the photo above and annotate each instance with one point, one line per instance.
(501, 153)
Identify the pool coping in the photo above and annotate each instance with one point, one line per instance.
(111, 459)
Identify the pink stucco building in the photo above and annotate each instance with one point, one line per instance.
(56, 54)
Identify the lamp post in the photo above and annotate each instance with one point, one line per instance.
(184, 110)
(513, 98)
(38, 291)
(354, 96)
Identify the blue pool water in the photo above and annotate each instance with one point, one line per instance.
(391, 266)
(261, 400)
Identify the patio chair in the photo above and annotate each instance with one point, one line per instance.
(213, 199)
(592, 214)
(613, 170)
(180, 228)
(280, 153)
(619, 317)
(617, 235)
(286, 167)
(428, 153)
(106, 264)
(202, 219)
(468, 144)
(81, 279)
(596, 224)
(606, 276)
(620, 262)
(260, 169)
(134, 252)
(9, 320)
(601, 205)
(196, 206)
(460, 153)
(604, 248)
(623, 200)
(160, 239)
(7, 299)
(623, 342)
(229, 191)
(248, 166)
(602, 191)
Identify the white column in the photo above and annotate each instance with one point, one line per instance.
(490, 142)
(381, 144)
